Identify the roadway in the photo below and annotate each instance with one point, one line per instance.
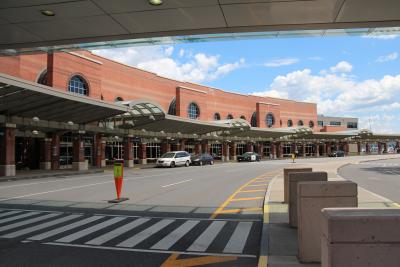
(189, 216)
(380, 177)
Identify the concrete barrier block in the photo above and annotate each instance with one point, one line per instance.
(286, 172)
(360, 237)
(312, 198)
(294, 179)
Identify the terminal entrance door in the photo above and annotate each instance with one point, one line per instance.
(216, 151)
(27, 150)
(66, 152)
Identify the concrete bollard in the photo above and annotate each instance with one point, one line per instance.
(360, 237)
(312, 198)
(294, 179)
(286, 172)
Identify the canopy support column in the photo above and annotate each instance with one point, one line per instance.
(7, 150)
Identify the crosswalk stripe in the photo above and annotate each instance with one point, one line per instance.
(87, 231)
(239, 237)
(24, 215)
(174, 236)
(136, 239)
(25, 222)
(41, 226)
(65, 228)
(207, 237)
(116, 232)
(8, 213)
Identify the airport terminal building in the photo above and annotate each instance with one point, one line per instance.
(79, 110)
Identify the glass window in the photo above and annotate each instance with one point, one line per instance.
(43, 78)
(153, 150)
(352, 125)
(290, 123)
(300, 123)
(287, 150)
(78, 85)
(311, 124)
(193, 111)
(172, 107)
(320, 123)
(253, 121)
(217, 117)
(216, 150)
(335, 123)
(269, 120)
(229, 117)
(240, 149)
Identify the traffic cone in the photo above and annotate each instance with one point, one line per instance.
(118, 180)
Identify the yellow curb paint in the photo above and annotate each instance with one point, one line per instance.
(247, 198)
(173, 260)
(396, 205)
(252, 191)
(263, 261)
(257, 185)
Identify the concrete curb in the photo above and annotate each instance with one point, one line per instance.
(264, 242)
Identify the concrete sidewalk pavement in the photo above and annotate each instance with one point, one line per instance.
(279, 246)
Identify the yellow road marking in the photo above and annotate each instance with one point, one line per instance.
(262, 261)
(247, 198)
(252, 191)
(257, 185)
(239, 210)
(173, 261)
(396, 205)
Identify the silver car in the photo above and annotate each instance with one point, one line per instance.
(173, 159)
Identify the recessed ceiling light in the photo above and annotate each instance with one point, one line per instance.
(155, 2)
(48, 13)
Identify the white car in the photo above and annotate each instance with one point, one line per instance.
(174, 158)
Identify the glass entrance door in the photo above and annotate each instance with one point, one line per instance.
(66, 152)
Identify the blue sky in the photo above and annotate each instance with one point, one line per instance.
(346, 76)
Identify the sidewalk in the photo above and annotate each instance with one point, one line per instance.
(279, 241)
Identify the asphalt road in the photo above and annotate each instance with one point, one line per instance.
(381, 177)
(190, 216)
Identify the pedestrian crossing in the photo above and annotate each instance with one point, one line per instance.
(132, 232)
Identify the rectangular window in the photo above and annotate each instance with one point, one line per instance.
(153, 150)
(287, 150)
(352, 125)
(335, 123)
(320, 123)
(216, 150)
(240, 149)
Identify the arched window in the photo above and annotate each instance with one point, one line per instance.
(289, 123)
(172, 107)
(193, 111)
(270, 120)
(217, 117)
(42, 78)
(300, 123)
(311, 124)
(253, 121)
(78, 85)
(229, 117)
(118, 99)
(243, 117)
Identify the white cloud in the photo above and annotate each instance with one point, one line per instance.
(159, 59)
(381, 36)
(342, 66)
(390, 57)
(340, 95)
(274, 63)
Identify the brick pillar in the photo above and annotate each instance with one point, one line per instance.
(78, 162)
(294, 147)
(367, 148)
(273, 151)
(55, 152)
(45, 154)
(328, 148)
(197, 148)
(165, 147)
(233, 151)
(99, 151)
(316, 145)
(385, 147)
(7, 150)
(250, 147)
(336, 146)
(183, 144)
(128, 151)
(225, 152)
(379, 148)
(142, 153)
(358, 148)
(346, 148)
(205, 147)
(304, 149)
(178, 145)
(261, 150)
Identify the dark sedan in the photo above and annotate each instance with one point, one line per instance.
(202, 159)
(249, 156)
(337, 153)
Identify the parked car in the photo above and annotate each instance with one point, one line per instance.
(337, 153)
(249, 156)
(202, 159)
(173, 159)
(216, 157)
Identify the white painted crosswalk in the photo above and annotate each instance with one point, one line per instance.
(129, 232)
